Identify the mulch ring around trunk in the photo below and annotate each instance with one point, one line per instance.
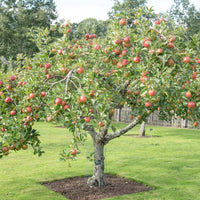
(76, 188)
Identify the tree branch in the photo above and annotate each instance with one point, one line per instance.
(111, 136)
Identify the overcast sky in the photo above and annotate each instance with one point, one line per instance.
(77, 10)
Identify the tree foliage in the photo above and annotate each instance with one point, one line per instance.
(153, 66)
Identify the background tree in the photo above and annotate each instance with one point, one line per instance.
(82, 82)
(90, 25)
(15, 20)
(186, 14)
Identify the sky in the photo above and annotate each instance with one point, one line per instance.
(77, 10)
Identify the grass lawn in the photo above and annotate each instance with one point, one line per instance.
(168, 162)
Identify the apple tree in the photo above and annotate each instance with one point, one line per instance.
(81, 82)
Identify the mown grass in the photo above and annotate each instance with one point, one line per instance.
(169, 162)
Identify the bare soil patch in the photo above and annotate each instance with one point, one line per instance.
(76, 189)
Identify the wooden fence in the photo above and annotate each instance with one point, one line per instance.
(124, 114)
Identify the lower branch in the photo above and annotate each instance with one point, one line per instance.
(111, 136)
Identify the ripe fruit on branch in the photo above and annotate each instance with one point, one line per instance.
(143, 79)
(74, 152)
(195, 124)
(148, 104)
(170, 62)
(125, 62)
(123, 22)
(101, 124)
(136, 59)
(152, 93)
(24, 146)
(87, 119)
(128, 92)
(47, 66)
(32, 96)
(170, 45)
(159, 51)
(1, 83)
(127, 39)
(83, 99)
(146, 44)
(13, 112)
(157, 22)
(97, 47)
(66, 107)
(8, 100)
(60, 51)
(5, 149)
(43, 93)
(12, 78)
(191, 104)
(188, 94)
(186, 59)
(118, 41)
(58, 101)
(29, 109)
(80, 70)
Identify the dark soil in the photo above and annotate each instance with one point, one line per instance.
(76, 188)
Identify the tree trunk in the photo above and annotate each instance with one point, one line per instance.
(97, 180)
(142, 129)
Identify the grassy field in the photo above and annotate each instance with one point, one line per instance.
(169, 162)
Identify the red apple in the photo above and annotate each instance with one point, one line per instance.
(128, 92)
(5, 149)
(29, 109)
(60, 51)
(1, 83)
(170, 45)
(146, 44)
(74, 152)
(119, 65)
(191, 104)
(125, 62)
(123, 22)
(186, 59)
(195, 124)
(83, 99)
(47, 66)
(66, 107)
(3, 129)
(87, 119)
(157, 22)
(32, 96)
(188, 94)
(97, 47)
(13, 112)
(8, 100)
(148, 104)
(170, 62)
(127, 39)
(136, 59)
(43, 93)
(12, 78)
(118, 41)
(152, 93)
(80, 70)
(159, 51)
(101, 124)
(58, 101)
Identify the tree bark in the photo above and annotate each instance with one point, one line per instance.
(97, 180)
(142, 129)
